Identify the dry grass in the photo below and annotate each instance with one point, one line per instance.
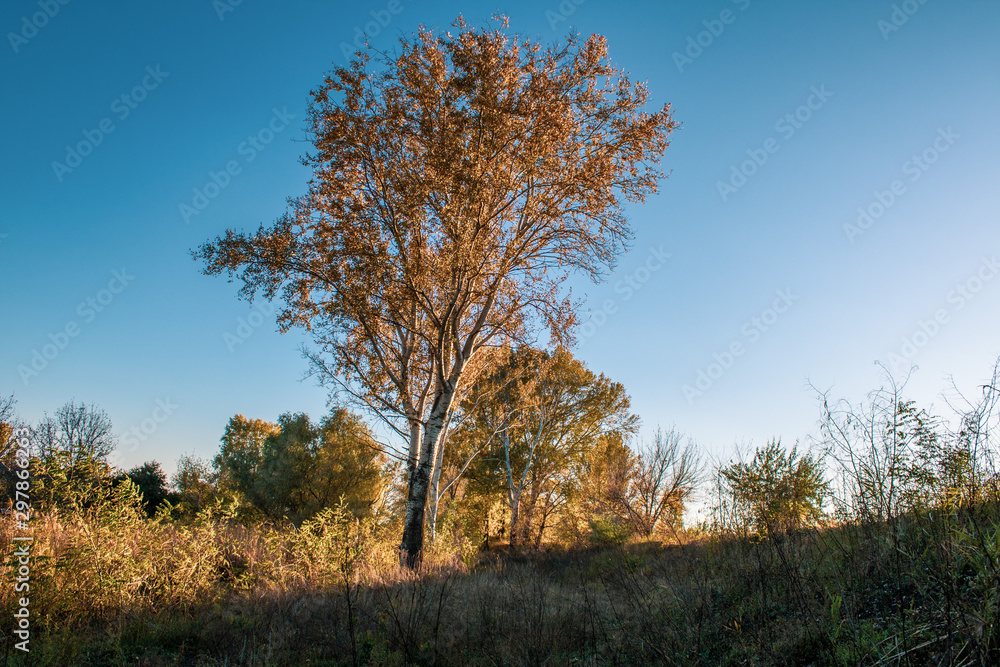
(110, 587)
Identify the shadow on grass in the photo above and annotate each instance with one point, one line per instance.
(920, 590)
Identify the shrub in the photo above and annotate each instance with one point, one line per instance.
(608, 532)
(778, 490)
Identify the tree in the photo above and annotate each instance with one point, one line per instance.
(456, 184)
(151, 481)
(196, 482)
(71, 449)
(595, 499)
(77, 433)
(296, 468)
(657, 482)
(7, 419)
(348, 464)
(546, 417)
(8, 424)
(778, 490)
(238, 461)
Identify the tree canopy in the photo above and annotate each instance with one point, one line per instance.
(77, 431)
(295, 468)
(541, 423)
(778, 490)
(456, 183)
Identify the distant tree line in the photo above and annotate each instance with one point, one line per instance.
(539, 449)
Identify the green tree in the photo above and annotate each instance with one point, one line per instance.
(778, 490)
(151, 481)
(237, 464)
(593, 499)
(295, 468)
(547, 416)
(197, 484)
(59, 482)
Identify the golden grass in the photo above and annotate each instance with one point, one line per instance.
(110, 587)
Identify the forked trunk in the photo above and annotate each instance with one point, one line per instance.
(435, 494)
(411, 549)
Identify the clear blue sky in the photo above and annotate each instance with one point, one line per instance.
(829, 102)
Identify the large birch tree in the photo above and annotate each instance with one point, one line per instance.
(457, 181)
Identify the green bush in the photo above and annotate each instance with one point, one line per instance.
(606, 532)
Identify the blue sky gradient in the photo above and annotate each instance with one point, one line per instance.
(794, 116)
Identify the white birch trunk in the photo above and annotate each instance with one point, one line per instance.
(411, 548)
(435, 495)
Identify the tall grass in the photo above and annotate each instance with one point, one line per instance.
(111, 587)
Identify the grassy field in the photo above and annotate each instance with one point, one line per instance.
(111, 587)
